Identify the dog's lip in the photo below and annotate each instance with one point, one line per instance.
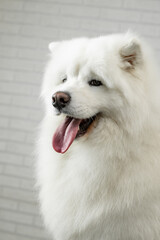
(86, 124)
(70, 129)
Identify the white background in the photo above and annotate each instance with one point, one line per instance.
(26, 28)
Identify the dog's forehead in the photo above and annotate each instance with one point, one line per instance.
(82, 56)
(77, 65)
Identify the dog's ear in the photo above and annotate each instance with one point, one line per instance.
(131, 55)
(52, 46)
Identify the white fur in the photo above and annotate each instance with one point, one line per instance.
(107, 185)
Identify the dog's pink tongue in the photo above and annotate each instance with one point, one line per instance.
(65, 134)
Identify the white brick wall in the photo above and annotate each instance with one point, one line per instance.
(26, 28)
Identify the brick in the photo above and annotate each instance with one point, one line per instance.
(143, 5)
(38, 221)
(145, 30)
(65, 34)
(7, 226)
(29, 208)
(29, 161)
(43, 43)
(6, 75)
(17, 64)
(31, 231)
(4, 122)
(8, 51)
(120, 14)
(69, 23)
(35, 115)
(25, 125)
(28, 77)
(20, 112)
(30, 138)
(77, 2)
(12, 5)
(25, 101)
(6, 203)
(11, 111)
(32, 54)
(155, 43)
(1, 168)
(100, 26)
(41, 7)
(48, 32)
(15, 217)
(5, 98)
(2, 15)
(22, 17)
(80, 11)
(9, 28)
(21, 89)
(13, 135)
(38, 66)
(9, 236)
(150, 17)
(9, 181)
(2, 145)
(27, 183)
(19, 148)
(10, 158)
(18, 41)
(60, 21)
(18, 171)
(19, 195)
(105, 3)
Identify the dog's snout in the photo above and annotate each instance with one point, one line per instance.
(60, 100)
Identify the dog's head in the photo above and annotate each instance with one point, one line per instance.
(90, 79)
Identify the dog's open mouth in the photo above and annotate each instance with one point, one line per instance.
(70, 129)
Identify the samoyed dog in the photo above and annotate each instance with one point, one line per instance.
(98, 167)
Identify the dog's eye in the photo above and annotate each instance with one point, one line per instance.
(95, 83)
(64, 79)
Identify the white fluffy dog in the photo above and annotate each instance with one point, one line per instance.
(98, 167)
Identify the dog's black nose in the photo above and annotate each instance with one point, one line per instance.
(60, 100)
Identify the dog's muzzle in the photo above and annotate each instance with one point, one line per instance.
(60, 100)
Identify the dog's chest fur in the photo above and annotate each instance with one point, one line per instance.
(97, 193)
